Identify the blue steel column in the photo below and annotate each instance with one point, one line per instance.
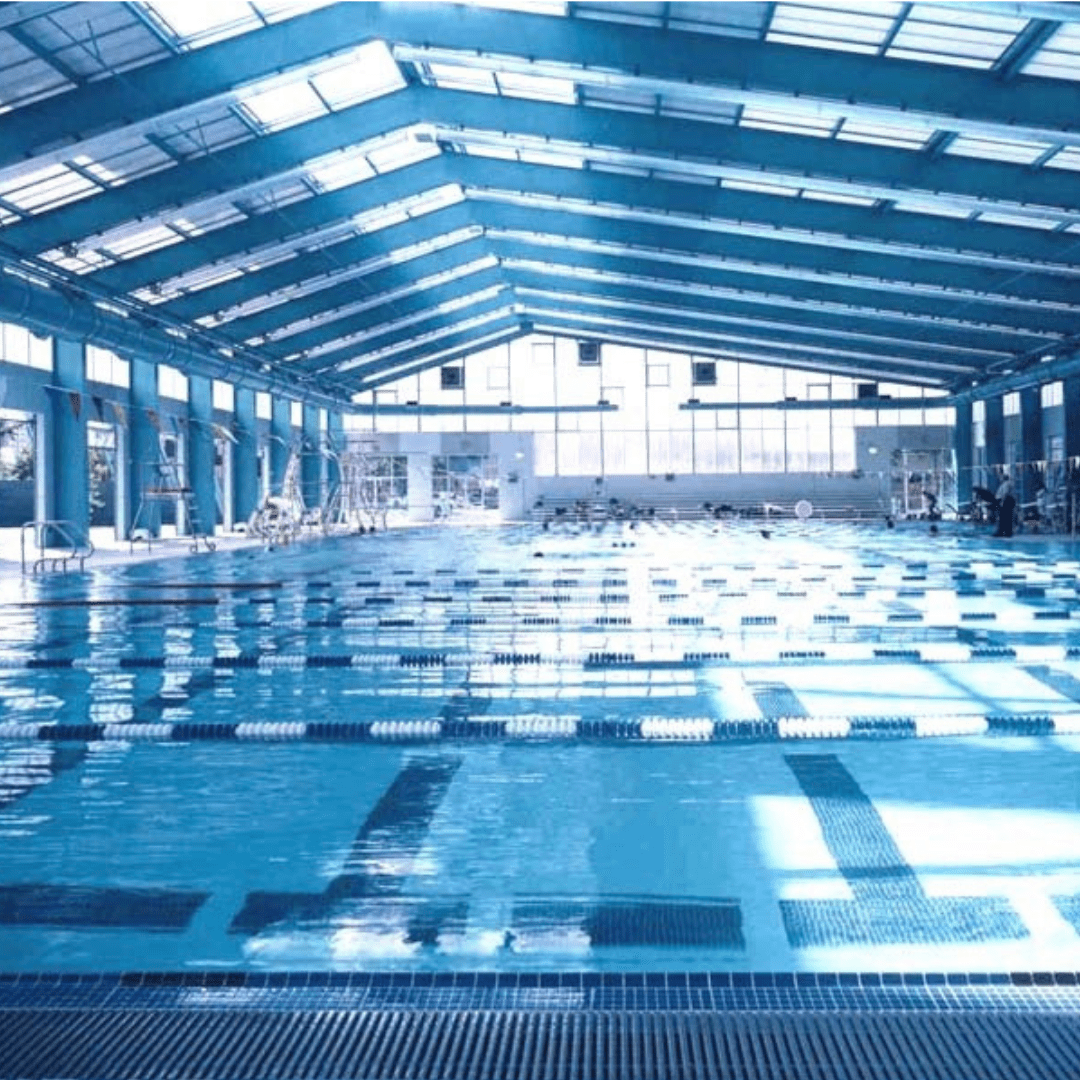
(200, 457)
(995, 433)
(1070, 392)
(311, 461)
(281, 438)
(245, 456)
(335, 434)
(962, 435)
(1031, 444)
(144, 445)
(69, 497)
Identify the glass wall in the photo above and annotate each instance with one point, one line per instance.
(650, 434)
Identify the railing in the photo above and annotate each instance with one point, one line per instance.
(80, 551)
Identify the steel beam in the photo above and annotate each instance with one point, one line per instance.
(732, 69)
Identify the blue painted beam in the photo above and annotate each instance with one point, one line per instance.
(885, 271)
(477, 410)
(1071, 401)
(727, 209)
(940, 309)
(307, 216)
(166, 91)
(350, 255)
(349, 359)
(386, 314)
(890, 171)
(813, 324)
(460, 343)
(644, 333)
(911, 356)
(55, 312)
(233, 169)
(871, 404)
(399, 280)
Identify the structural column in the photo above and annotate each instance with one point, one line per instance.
(962, 435)
(200, 456)
(68, 479)
(281, 438)
(1031, 443)
(311, 461)
(995, 432)
(335, 435)
(1070, 392)
(245, 456)
(144, 447)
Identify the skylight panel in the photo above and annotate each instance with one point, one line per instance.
(1060, 57)
(537, 87)
(1023, 153)
(1066, 158)
(380, 218)
(559, 160)
(850, 28)
(350, 168)
(928, 206)
(883, 134)
(277, 10)
(532, 7)
(762, 188)
(158, 236)
(793, 123)
(503, 153)
(84, 262)
(199, 22)
(960, 38)
(1023, 222)
(44, 188)
(454, 77)
(397, 151)
(837, 197)
(369, 72)
(284, 106)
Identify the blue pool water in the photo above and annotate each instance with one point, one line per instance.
(660, 749)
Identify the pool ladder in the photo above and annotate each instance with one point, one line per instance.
(59, 558)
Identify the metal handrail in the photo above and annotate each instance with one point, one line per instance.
(80, 551)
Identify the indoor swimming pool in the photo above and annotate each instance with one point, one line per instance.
(675, 748)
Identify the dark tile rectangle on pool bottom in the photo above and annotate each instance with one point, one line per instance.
(80, 906)
(635, 921)
(900, 920)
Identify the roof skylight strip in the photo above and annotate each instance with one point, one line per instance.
(767, 299)
(617, 303)
(423, 339)
(447, 307)
(853, 188)
(375, 300)
(727, 95)
(739, 227)
(723, 262)
(735, 341)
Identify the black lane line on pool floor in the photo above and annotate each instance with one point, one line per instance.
(392, 834)
(890, 906)
(89, 907)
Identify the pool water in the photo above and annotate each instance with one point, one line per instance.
(512, 750)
